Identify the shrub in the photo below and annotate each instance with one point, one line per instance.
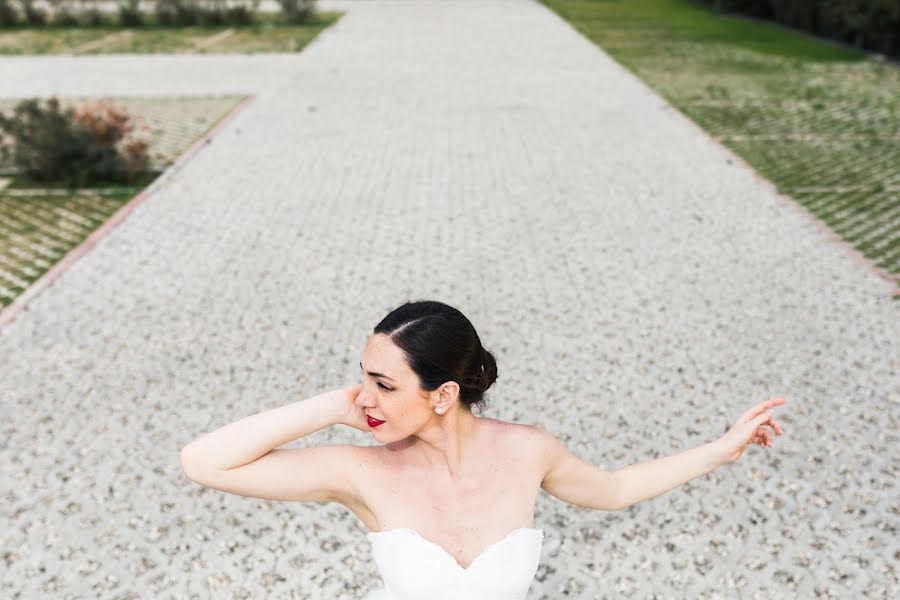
(217, 12)
(870, 24)
(94, 17)
(297, 11)
(130, 14)
(111, 130)
(239, 15)
(176, 12)
(87, 144)
(8, 16)
(172, 13)
(211, 15)
(33, 15)
(760, 8)
(204, 12)
(64, 14)
(5, 152)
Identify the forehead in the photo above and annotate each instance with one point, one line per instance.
(381, 354)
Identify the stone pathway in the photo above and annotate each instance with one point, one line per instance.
(640, 292)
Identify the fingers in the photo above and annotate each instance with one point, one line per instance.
(765, 436)
(762, 406)
(762, 437)
(768, 420)
(770, 403)
(762, 417)
(761, 409)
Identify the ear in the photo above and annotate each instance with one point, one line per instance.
(447, 393)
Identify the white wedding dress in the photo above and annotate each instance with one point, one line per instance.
(414, 568)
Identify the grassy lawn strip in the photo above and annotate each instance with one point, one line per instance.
(37, 231)
(267, 34)
(822, 122)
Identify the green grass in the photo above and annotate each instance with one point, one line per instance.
(267, 34)
(679, 21)
(37, 231)
(23, 183)
(822, 122)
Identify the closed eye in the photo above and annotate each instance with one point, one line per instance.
(381, 385)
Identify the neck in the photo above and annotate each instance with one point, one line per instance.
(447, 441)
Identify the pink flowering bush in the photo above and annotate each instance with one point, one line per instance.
(92, 143)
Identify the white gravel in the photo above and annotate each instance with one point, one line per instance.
(640, 292)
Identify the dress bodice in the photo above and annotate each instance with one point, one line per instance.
(415, 568)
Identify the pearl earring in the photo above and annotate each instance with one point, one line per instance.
(440, 410)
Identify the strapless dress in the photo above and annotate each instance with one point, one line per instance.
(415, 568)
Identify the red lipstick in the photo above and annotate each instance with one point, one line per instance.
(374, 422)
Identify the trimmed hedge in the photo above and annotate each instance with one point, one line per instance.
(866, 24)
(168, 13)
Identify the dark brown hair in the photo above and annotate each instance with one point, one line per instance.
(441, 345)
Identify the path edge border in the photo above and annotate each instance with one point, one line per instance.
(20, 304)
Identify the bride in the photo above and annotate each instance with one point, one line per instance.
(448, 496)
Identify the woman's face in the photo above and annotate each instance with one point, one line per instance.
(391, 393)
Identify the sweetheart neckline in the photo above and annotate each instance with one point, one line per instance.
(444, 550)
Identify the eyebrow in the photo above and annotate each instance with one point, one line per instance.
(374, 374)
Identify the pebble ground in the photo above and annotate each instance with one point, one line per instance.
(639, 291)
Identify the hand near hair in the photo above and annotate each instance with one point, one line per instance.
(750, 428)
(351, 414)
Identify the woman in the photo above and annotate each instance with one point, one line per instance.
(448, 496)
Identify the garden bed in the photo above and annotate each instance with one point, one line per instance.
(41, 223)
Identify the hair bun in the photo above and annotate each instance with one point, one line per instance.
(440, 345)
(488, 370)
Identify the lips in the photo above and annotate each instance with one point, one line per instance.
(373, 422)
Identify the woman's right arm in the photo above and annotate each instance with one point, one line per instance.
(244, 441)
(243, 458)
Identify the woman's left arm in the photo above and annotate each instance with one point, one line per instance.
(641, 481)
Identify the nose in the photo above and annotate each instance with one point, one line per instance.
(362, 399)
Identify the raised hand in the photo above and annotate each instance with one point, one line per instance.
(351, 414)
(751, 428)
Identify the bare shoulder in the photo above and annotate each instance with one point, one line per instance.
(522, 431)
(526, 436)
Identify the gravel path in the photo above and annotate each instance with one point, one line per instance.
(639, 290)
